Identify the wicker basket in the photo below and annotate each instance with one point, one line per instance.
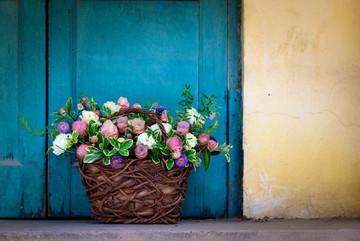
(136, 191)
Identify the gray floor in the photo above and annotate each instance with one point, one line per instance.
(199, 230)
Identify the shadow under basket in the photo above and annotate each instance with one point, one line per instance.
(136, 191)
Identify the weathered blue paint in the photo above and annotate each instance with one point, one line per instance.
(138, 49)
(235, 109)
(61, 66)
(22, 86)
(206, 196)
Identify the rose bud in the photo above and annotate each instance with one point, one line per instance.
(136, 105)
(62, 111)
(80, 126)
(109, 129)
(98, 113)
(164, 117)
(211, 145)
(141, 151)
(94, 139)
(203, 138)
(81, 152)
(176, 154)
(123, 102)
(175, 144)
(128, 136)
(138, 125)
(122, 123)
(183, 128)
(80, 107)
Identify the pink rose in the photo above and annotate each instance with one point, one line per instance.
(123, 102)
(122, 123)
(98, 113)
(80, 126)
(109, 129)
(211, 145)
(136, 105)
(138, 125)
(81, 152)
(141, 151)
(164, 117)
(203, 138)
(175, 144)
(183, 128)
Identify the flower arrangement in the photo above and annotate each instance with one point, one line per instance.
(95, 133)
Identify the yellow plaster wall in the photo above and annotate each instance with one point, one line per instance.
(301, 73)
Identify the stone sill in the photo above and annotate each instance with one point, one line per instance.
(189, 230)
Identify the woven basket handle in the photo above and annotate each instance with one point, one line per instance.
(152, 115)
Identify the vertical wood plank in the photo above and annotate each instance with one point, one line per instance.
(22, 183)
(235, 109)
(213, 80)
(60, 89)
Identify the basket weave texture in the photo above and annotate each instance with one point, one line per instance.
(136, 191)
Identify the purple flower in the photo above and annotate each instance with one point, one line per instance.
(116, 160)
(159, 107)
(212, 116)
(87, 105)
(63, 127)
(181, 161)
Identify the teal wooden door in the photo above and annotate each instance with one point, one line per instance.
(23, 92)
(106, 49)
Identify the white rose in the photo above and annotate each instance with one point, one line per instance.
(112, 106)
(195, 118)
(87, 116)
(167, 127)
(146, 140)
(60, 143)
(191, 141)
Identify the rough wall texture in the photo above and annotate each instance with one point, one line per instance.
(301, 63)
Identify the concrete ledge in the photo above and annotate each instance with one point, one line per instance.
(189, 230)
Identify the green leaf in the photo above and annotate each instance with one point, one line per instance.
(124, 152)
(91, 157)
(54, 134)
(169, 163)
(114, 142)
(155, 159)
(207, 158)
(55, 122)
(100, 137)
(75, 136)
(56, 113)
(166, 151)
(92, 149)
(106, 152)
(69, 105)
(107, 111)
(106, 142)
(113, 152)
(106, 160)
(127, 144)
